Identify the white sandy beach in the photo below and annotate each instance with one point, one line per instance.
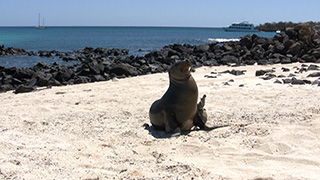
(95, 131)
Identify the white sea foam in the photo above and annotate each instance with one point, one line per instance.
(221, 40)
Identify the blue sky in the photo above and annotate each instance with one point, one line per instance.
(185, 13)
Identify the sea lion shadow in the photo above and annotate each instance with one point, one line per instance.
(161, 134)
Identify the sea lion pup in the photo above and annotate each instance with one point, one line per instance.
(177, 110)
(201, 117)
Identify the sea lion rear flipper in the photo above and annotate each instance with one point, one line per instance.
(206, 128)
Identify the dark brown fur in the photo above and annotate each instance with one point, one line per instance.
(176, 110)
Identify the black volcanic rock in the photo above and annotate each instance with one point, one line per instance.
(6, 87)
(308, 58)
(24, 73)
(279, 38)
(279, 48)
(278, 82)
(12, 51)
(295, 81)
(313, 67)
(307, 81)
(246, 41)
(268, 76)
(295, 48)
(293, 34)
(96, 67)
(263, 72)
(24, 89)
(202, 48)
(316, 82)
(124, 69)
(81, 80)
(229, 59)
(235, 72)
(64, 74)
(306, 33)
(97, 78)
(298, 44)
(316, 52)
(316, 74)
(286, 81)
(285, 69)
(286, 60)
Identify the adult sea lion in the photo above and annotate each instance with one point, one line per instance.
(177, 110)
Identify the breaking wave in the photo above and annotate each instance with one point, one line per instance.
(221, 40)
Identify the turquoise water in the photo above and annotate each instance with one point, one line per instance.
(132, 38)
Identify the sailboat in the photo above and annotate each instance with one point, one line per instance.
(39, 26)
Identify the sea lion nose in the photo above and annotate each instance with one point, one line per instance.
(188, 62)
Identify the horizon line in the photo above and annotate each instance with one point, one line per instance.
(121, 26)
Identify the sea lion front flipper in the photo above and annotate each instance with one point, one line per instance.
(171, 124)
(176, 132)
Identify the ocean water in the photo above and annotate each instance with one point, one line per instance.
(66, 39)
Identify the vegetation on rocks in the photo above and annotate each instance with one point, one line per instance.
(274, 26)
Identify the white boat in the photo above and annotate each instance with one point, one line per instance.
(39, 26)
(241, 27)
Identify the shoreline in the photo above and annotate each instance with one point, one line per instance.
(298, 44)
(94, 131)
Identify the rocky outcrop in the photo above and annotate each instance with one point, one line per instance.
(298, 44)
(295, 78)
(13, 51)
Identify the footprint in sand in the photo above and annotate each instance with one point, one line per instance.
(43, 109)
(277, 148)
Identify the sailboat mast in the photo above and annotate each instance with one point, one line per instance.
(39, 21)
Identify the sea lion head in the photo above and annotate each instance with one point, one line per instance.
(180, 70)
